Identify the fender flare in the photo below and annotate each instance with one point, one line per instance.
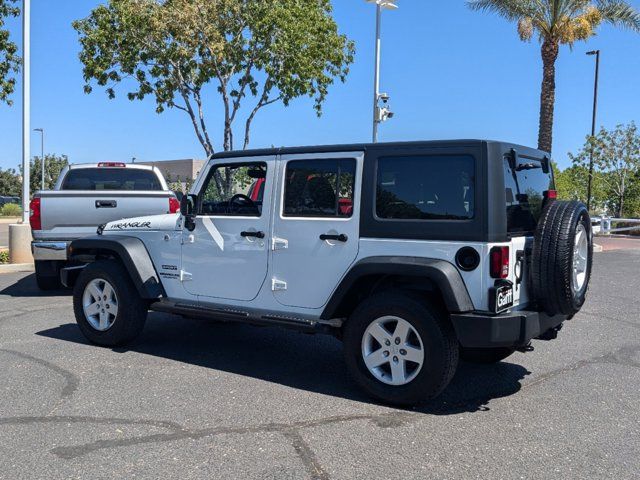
(130, 250)
(441, 272)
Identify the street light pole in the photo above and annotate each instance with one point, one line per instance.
(26, 106)
(41, 130)
(376, 74)
(593, 125)
(380, 4)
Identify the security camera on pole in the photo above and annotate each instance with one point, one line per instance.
(381, 110)
(20, 234)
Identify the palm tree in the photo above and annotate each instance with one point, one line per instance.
(558, 22)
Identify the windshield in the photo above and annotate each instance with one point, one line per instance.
(108, 178)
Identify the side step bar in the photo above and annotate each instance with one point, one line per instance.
(240, 316)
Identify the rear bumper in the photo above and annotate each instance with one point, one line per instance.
(514, 329)
(53, 250)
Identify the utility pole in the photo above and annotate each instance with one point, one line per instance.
(26, 106)
(20, 233)
(593, 125)
(41, 130)
(380, 114)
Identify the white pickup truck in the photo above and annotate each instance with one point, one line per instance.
(85, 197)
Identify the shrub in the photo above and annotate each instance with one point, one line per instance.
(10, 210)
(4, 257)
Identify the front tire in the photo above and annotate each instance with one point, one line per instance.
(107, 306)
(400, 349)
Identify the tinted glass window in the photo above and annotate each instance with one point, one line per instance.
(319, 188)
(524, 191)
(427, 187)
(109, 178)
(234, 190)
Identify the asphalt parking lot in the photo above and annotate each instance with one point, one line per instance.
(194, 399)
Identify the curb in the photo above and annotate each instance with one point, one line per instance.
(16, 267)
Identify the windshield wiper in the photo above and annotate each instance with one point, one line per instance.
(527, 166)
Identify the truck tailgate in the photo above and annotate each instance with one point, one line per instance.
(67, 214)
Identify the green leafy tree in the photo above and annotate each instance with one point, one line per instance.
(53, 165)
(616, 160)
(9, 60)
(556, 23)
(571, 184)
(10, 183)
(179, 185)
(174, 50)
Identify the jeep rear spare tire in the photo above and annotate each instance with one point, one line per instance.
(562, 258)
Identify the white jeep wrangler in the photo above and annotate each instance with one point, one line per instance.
(414, 254)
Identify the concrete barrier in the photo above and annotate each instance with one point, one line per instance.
(20, 243)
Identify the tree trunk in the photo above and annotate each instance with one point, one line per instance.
(550, 50)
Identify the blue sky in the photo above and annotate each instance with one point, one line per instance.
(451, 73)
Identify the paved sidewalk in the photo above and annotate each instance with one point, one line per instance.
(618, 243)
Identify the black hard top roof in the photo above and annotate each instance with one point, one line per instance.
(356, 147)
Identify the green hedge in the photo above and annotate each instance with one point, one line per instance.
(10, 210)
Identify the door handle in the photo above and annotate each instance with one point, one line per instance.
(252, 234)
(339, 238)
(106, 204)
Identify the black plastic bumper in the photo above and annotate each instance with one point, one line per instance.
(514, 329)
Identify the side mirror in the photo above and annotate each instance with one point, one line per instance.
(188, 211)
(188, 205)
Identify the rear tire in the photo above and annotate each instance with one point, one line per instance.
(430, 340)
(110, 278)
(48, 275)
(485, 355)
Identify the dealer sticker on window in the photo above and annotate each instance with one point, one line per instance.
(501, 298)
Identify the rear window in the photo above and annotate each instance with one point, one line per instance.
(426, 187)
(109, 178)
(525, 186)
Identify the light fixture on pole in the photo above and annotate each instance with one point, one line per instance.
(41, 130)
(26, 106)
(593, 125)
(381, 113)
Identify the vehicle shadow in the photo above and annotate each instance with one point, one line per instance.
(305, 362)
(27, 287)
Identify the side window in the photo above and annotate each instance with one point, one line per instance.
(234, 190)
(319, 188)
(426, 187)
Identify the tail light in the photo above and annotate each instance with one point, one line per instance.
(499, 262)
(35, 218)
(174, 205)
(551, 195)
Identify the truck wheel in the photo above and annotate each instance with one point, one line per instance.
(562, 258)
(47, 275)
(400, 349)
(485, 355)
(107, 306)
